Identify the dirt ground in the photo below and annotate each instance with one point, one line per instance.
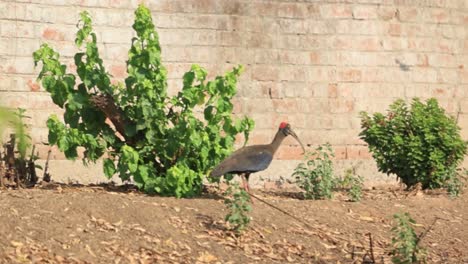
(107, 224)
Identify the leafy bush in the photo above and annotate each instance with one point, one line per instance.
(420, 145)
(406, 249)
(316, 176)
(238, 204)
(353, 183)
(154, 138)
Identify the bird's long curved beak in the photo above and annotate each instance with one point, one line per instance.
(292, 133)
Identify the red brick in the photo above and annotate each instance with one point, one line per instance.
(234, 8)
(265, 8)
(204, 37)
(408, 14)
(332, 90)
(357, 152)
(267, 56)
(118, 51)
(349, 75)
(386, 12)
(336, 11)
(285, 105)
(321, 74)
(293, 10)
(394, 29)
(447, 76)
(287, 152)
(319, 122)
(265, 73)
(118, 71)
(365, 12)
(292, 73)
(438, 15)
(340, 152)
(52, 34)
(340, 105)
(33, 86)
(319, 27)
(272, 90)
(293, 26)
(359, 27)
(17, 29)
(259, 105)
(293, 57)
(395, 43)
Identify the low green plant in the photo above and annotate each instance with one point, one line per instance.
(237, 202)
(15, 120)
(420, 143)
(315, 175)
(455, 184)
(405, 242)
(154, 139)
(16, 167)
(353, 183)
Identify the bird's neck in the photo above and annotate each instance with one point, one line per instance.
(277, 140)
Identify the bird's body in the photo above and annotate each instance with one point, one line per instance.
(245, 160)
(253, 158)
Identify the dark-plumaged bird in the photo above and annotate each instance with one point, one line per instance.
(254, 158)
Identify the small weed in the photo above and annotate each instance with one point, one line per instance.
(353, 183)
(315, 176)
(406, 249)
(455, 184)
(238, 203)
(16, 168)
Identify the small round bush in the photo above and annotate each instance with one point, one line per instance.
(420, 144)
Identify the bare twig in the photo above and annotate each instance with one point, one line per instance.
(46, 176)
(331, 239)
(424, 233)
(371, 245)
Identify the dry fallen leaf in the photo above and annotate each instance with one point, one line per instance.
(16, 244)
(366, 218)
(206, 257)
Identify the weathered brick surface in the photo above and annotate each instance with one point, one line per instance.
(315, 64)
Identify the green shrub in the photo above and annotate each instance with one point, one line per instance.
(405, 242)
(420, 144)
(353, 183)
(315, 176)
(238, 203)
(162, 145)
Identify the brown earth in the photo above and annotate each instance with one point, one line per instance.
(107, 224)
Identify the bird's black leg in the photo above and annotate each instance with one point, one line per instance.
(245, 182)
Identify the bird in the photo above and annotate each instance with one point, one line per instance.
(251, 159)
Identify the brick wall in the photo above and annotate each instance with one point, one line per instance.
(315, 64)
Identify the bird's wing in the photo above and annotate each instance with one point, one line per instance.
(257, 161)
(248, 159)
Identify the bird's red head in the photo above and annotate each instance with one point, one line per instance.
(283, 125)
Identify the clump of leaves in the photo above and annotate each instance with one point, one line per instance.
(237, 202)
(420, 144)
(154, 139)
(405, 242)
(455, 184)
(16, 170)
(315, 175)
(353, 183)
(15, 120)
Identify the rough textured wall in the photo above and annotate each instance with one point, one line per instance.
(315, 64)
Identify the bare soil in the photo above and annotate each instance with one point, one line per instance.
(107, 224)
